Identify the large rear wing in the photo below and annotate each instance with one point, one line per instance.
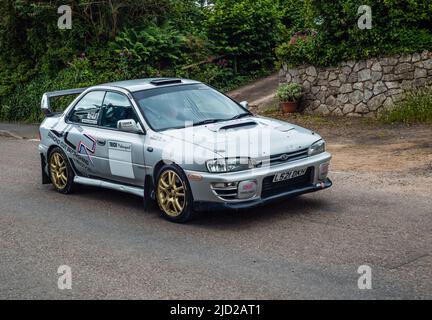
(45, 102)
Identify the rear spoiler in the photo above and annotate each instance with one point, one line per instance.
(45, 102)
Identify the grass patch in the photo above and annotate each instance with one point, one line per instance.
(414, 107)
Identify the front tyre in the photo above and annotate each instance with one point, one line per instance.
(60, 172)
(173, 194)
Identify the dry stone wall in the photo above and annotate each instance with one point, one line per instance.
(359, 88)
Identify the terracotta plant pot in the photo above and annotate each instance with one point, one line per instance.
(288, 107)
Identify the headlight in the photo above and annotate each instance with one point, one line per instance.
(317, 148)
(230, 164)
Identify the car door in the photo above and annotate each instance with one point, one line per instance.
(81, 132)
(123, 152)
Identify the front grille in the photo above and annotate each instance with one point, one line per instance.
(270, 188)
(288, 156)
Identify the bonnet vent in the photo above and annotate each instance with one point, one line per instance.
(238, 125)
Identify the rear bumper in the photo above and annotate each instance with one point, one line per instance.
(209, 206)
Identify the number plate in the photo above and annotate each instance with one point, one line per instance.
(287, 175)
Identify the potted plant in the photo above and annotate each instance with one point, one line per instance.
(289, 95)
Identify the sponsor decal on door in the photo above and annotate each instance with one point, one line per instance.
(120, 159)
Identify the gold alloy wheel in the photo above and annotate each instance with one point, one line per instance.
(171, 193)
(59, 175)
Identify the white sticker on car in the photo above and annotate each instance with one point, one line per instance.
(120, 159)
(89, 121)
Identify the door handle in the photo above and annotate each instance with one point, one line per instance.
(101, 142)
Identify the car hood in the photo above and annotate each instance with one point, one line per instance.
(253, 137)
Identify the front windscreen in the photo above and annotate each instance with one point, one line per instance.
(179, 106)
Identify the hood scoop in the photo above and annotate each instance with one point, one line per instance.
(238, 125)
(232, 125)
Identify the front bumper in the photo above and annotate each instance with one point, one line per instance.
(209, 206)
(205, 198)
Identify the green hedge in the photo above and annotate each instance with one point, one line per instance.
(397, 26)
(99, 66)
(246, 29)
(127, 40)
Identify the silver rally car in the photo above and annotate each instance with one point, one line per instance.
(179, 142)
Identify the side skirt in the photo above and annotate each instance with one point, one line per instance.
(109, 185)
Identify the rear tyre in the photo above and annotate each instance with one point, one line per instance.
(60, 171)
(173, 194)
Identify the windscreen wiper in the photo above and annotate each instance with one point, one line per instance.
(241, 115)
(199, 123)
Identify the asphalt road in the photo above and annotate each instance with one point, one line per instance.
(308, 247)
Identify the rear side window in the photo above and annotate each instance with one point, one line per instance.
(116, 107)
(87, 110)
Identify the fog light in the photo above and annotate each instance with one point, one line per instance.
(323, 171)
(223, 185)
(247, 189)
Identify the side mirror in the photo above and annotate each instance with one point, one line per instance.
(45, 105)
(245, 105)
(129, 125)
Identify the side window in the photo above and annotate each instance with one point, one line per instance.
(116, 107)
(87, 110)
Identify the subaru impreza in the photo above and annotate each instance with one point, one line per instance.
(180, 143)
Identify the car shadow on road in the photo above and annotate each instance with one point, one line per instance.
(278, 211)
(271, 213)
(112, 197)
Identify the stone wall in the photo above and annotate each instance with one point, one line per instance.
(359, 88)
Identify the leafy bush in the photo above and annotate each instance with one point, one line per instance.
(397, 26)
(289, 92)
(85, 70)
(245, 29)
(113, 40)
(31, 43)
(415, 107)
(296, 15)
(100, 66)
(153, 47)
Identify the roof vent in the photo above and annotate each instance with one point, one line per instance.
(163, 82)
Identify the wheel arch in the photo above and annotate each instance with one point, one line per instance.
(50, 149)
(71, 163)
(158, 166)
